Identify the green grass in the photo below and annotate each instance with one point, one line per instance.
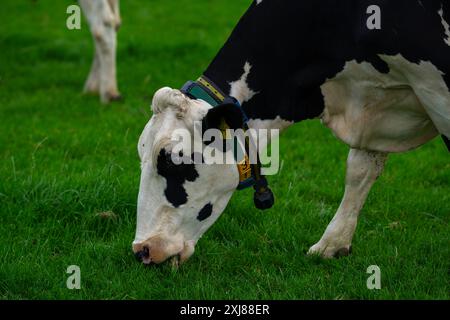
(64, 158)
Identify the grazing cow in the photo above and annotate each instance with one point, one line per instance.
(381, 86)
(103, 17)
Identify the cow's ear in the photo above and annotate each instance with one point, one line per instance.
(225, 116)
(168, 98)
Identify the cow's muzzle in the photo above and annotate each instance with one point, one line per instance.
(142, 255)
(154, 251)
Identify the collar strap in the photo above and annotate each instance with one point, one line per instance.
(249, 174)
(204, 89)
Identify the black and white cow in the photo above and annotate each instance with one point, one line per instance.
(380, 90)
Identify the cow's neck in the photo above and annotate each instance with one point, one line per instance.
(259, 118)
(258, 65)
(266, 119)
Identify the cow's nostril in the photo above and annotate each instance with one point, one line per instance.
(139, 256)
(143, 254)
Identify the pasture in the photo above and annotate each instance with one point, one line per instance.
(69, 177)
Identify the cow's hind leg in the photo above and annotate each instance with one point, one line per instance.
(363, 168)
(104, 19)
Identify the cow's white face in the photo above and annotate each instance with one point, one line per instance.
(176, 203)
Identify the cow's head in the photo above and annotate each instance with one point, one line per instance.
(177, 203)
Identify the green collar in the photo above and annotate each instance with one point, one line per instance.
(249, 174)
(204, 89)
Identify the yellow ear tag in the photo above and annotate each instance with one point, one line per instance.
(223, 128)
(245, 170)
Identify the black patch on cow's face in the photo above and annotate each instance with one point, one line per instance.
(205, 213)
(176, 176)
(197, 158)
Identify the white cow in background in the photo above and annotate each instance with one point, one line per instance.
(103, 17)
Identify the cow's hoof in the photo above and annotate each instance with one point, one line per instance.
(115, 98)
(108, 98)
(329, 252)
(91, 87)
(343, 252)
(320, 250)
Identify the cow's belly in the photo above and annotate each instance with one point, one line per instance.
(370, 110)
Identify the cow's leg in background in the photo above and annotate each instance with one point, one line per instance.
(92, 84)
(103, 17)
(363, 168)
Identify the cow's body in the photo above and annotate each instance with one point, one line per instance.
(380, 112)
(380, 91)
(103, 17)
(301, 51)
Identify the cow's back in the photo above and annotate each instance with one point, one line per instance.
(294, 47)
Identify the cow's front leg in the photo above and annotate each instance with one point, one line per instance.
(92, 84)
(104, 19)
(363, 168)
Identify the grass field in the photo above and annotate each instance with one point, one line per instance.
(64, 159)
